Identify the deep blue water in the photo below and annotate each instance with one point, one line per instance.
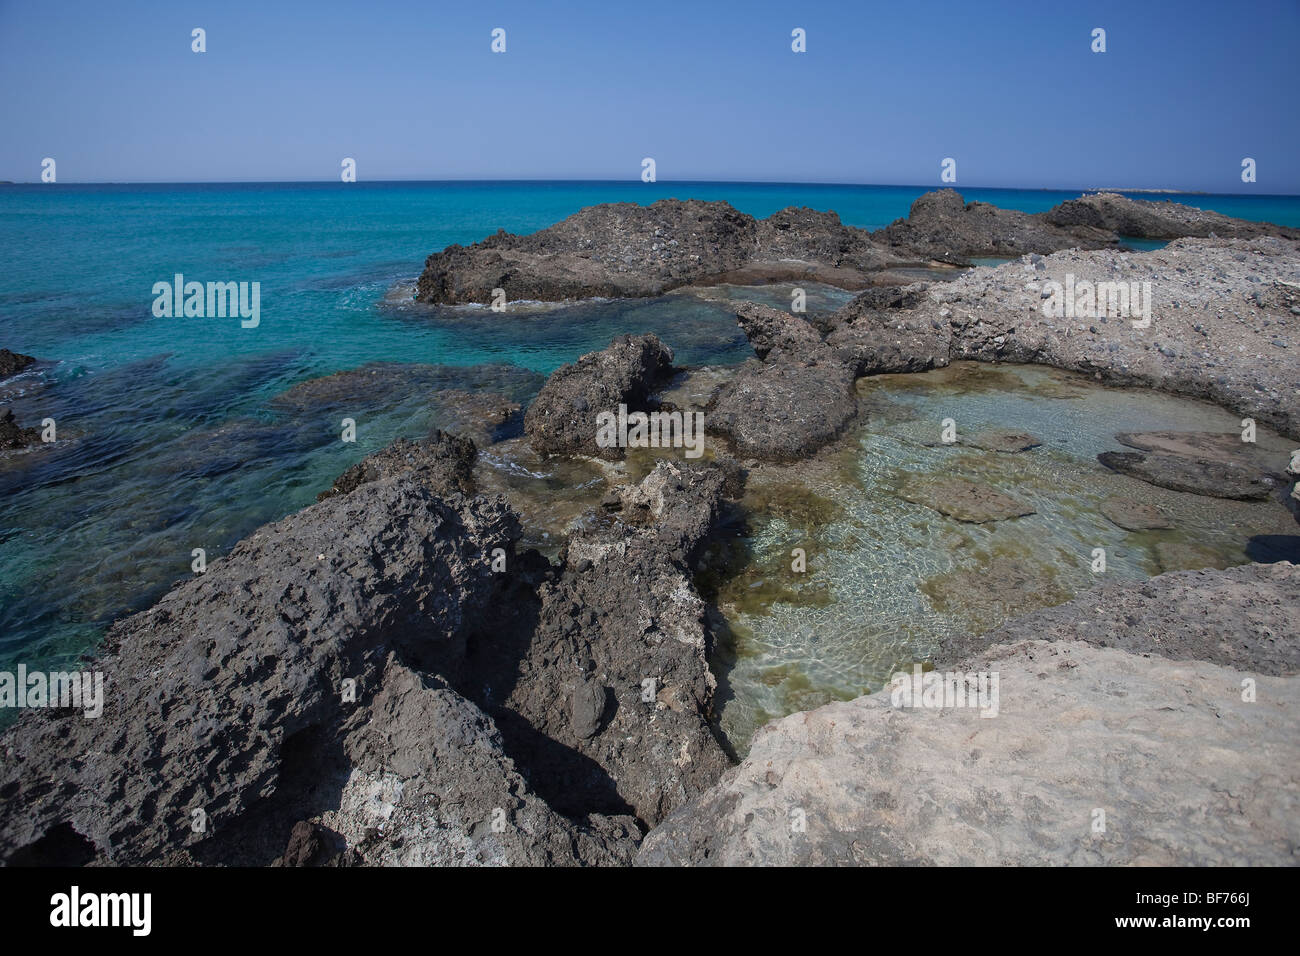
(170, 434)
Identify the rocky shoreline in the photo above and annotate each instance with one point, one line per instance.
(388, 678)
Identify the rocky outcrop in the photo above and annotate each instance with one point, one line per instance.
(216, 694)
(941, 225)
(1202, 335)
(1096, 757)
(625, 250)
(796, 400)
(443, 463)
(11, 363)
(608, 702)
(1145, 219)
(562, 419)
(13, 435)
(783, 410)
(1242, 618)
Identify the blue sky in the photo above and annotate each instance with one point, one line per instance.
(712, 91)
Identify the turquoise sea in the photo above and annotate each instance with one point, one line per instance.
(171, 435)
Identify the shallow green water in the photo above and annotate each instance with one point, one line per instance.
(887, 577)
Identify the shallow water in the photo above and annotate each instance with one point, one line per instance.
(887, 577)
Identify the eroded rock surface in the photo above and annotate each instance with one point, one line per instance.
(562, 419)
(1079, 728)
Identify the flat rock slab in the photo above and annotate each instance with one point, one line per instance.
(1242, 618)
(1185, 771)
(1197, 476)
(1225, 447)
(1004, 441)
(1134, 515)
(965, 500)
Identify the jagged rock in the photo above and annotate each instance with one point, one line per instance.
(588, 706)
(875, 334)
(11, 363)
(562, 419)
(13, 435)
(627, 250)
(430, 784)
(1145, 219)
(771, 330)
(1078, 728)
(1134, 515)
(621, 613)
(1242, 618)
(964, 500)
(442, 463)
(941, 225)
(211, 692)
(1198, 476)
(784, 410)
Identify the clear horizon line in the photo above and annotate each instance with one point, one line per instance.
(700, 182)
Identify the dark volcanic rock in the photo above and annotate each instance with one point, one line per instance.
(12, 435)
(1145, 219)
(1199, 476)
(607, 704)
(875, 333)
(771, 330)
(11, 363)
(213, 694)
(627, 250)
(941, 225)
(783, 410)
(430, 784)
(442, 463)
(562, 419)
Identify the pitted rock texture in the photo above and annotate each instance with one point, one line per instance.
(562, 420)
(210, 690)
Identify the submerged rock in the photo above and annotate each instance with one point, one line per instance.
(11, 363)
(1134, 515)
(1009, 442)
(13, 435)
(562, 419)
(964, 500)
(1198, 476)
(864, 782)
